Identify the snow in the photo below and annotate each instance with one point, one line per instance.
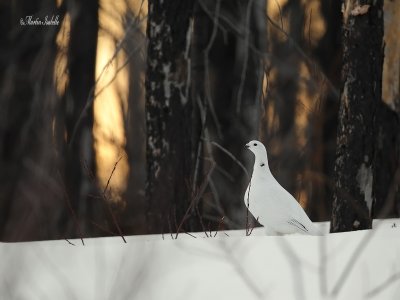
(221, 267)
(364, 179)
(167, 83)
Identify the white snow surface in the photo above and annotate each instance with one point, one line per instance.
(221, 267)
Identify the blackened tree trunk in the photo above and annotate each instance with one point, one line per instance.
(323, 126)
(134, 220)
(168, 116)
(387, 154)
(386, 177)
(79, 118)
(29, 195)
(285, 63)
(228, 67)
(360, 97)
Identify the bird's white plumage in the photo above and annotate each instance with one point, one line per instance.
(270, 203)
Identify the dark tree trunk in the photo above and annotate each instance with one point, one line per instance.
(29, 195)
(285, 61)
(134, 219)
(386, 177)
(360, 98)
(229, 90)
(387, 154)
(324, 124)
(79, 118)
(168, 117)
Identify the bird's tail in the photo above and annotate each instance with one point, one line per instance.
(314, 230)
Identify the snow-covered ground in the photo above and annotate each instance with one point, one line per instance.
(354, 265)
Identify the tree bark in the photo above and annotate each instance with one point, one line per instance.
(360, 96)
(387, 154)
(386, 177)
(285, 63)
(78, 148)
(29, 195)
(168, 117)
(323, 125)
(134, 219)
(228, 68)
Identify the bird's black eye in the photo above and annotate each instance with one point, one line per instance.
(255, 144)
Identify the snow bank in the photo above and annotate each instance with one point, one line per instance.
(350, 265)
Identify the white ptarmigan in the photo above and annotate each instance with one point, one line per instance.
(276, 209)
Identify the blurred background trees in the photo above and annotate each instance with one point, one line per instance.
(130, 117)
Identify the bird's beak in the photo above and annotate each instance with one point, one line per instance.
(247, 146)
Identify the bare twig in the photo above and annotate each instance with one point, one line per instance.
(194, 201)
(112, 173)
(280, 13)
(238, 31)
(207, 69)
(107, 202)
(220, 226)
(74, 216)
(309, 30)
(227, 152)
(246, 56)
(92, 96)
(304, 55)
(69, 242)
(203, 117)
(189, 234)
(201, 220)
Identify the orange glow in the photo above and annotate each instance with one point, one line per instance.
(274, 10)
(60, 67)
(303, 105)
(391, 66)
(112, 92)
(313, 32)
(302, 197)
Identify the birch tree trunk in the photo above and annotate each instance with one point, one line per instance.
(168, 117)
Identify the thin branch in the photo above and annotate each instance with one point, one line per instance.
(107, 202)
(246, 56)
(194, 201)
(74, 216)
(112, 173)
(227, 152)
(92, 96)
(280, 13)
(207, 69)
(304, 55)
(69, 242)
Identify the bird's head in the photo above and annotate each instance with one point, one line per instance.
(257, 148)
